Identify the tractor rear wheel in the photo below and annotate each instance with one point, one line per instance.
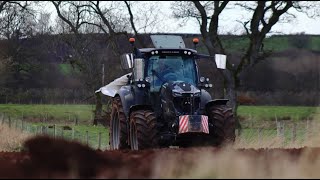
(118, 134)
(143, 130)
(223, 120)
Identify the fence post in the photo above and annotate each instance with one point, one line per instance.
(87, 137)
(76, 120)
(294, 132)
(62, 133)
(4, 114)
(16, 124)
(99, 141)
(259, 135)
(45, 130)
(283, 132)
(54, 131)
(73, 133)
(308, 133)
(22, 125)
(42, 131)
(9, 121)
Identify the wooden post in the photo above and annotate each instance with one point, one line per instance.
(73, 131)
(294, 132)
(9, 122)
(4, 114)
(22, 125)
(87, 137)
(42, 130)
(283, 132)
(99, 141)
(76, 120)
(259, 135)
(54, 131)
(278, 128)
(308, 129)
(62, 132)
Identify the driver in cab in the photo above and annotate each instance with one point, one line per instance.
(164, 72)
(164, 68)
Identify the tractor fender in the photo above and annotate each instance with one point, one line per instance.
(216, 102)
(132, 97)
(205, 98)
(140, 107)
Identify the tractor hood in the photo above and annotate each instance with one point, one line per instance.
(180, 87)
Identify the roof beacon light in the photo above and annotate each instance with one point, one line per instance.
(195, 42)
(132, 40)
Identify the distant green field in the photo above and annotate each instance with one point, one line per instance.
(279, 112)
(60, 113)
(84, 113)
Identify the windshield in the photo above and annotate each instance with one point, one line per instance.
(162, 69)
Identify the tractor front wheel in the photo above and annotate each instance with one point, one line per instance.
(223, 121)
(118, 134)
(143, 130)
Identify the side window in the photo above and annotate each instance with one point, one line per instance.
(155, 82)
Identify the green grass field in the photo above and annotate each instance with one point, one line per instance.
(84, 113)
(252, 119)
(60, 113)
(279, 112)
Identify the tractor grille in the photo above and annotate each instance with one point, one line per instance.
(186, 104)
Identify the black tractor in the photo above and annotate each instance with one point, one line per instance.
(164, 101)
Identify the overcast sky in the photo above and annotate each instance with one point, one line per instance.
(228, 22)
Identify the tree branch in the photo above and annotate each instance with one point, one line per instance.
(133, 25)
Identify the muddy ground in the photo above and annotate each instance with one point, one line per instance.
(44, 157)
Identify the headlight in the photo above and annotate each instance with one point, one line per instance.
(202, 79)
(148, 79)
(139, 85)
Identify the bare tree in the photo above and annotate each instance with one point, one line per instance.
(265, 14)
(111, 18)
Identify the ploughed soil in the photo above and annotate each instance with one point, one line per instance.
(44, 157)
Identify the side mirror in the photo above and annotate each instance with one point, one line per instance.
(221, 60)
(126, 61)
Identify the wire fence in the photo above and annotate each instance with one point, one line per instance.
(281, 134)
(93, 136)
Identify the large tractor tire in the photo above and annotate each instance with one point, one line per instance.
(118, 134)
(143, 130)
(223, 120)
